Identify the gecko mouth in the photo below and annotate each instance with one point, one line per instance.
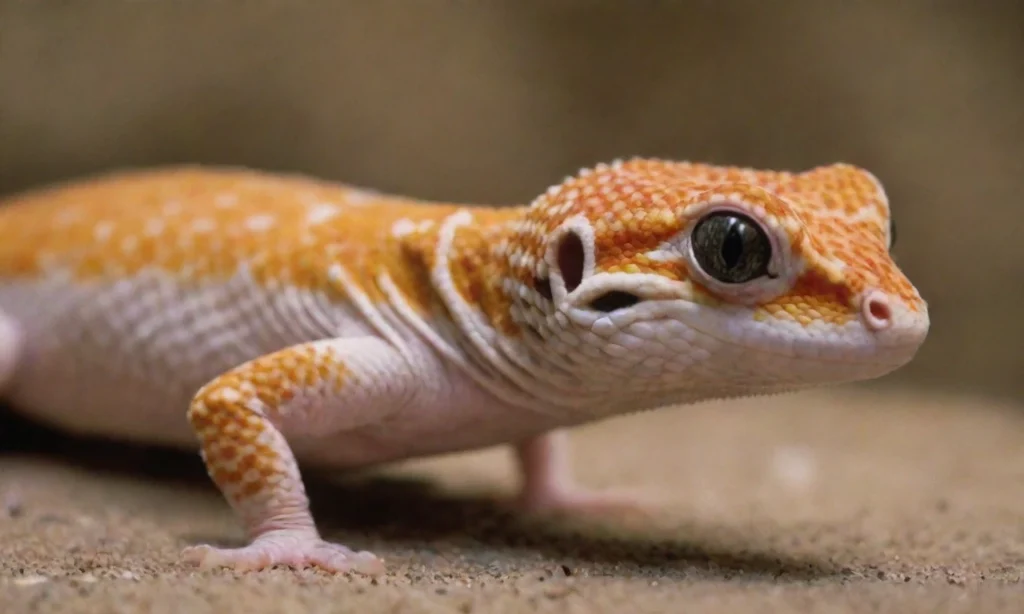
(850, 345)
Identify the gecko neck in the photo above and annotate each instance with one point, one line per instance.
(480, 328)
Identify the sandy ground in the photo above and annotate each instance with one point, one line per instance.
(851, 501)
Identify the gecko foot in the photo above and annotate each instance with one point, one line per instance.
(288, 548)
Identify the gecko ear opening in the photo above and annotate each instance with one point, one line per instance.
(571, 260)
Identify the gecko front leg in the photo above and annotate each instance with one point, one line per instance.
(547, 485)
(241, 419)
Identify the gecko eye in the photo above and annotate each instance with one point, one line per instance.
(731, 247)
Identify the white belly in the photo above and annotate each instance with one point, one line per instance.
(123, 360)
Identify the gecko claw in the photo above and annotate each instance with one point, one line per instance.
(287, 549)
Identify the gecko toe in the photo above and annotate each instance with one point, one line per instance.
(368, 563)
(286, 550)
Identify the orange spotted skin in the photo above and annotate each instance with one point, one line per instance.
(273, 318)
(199, 224)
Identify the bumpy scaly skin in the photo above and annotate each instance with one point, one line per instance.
(278, 318)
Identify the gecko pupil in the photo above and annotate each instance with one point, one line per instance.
(731, 247)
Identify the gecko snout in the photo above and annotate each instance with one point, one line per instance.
(896, 329)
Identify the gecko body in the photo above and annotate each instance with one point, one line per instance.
(270, 319)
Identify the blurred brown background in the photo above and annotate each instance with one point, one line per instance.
(901, 502)
(494, 101)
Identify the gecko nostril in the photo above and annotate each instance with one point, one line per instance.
(876, 311)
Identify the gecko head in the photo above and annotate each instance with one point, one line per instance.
(664, 280)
